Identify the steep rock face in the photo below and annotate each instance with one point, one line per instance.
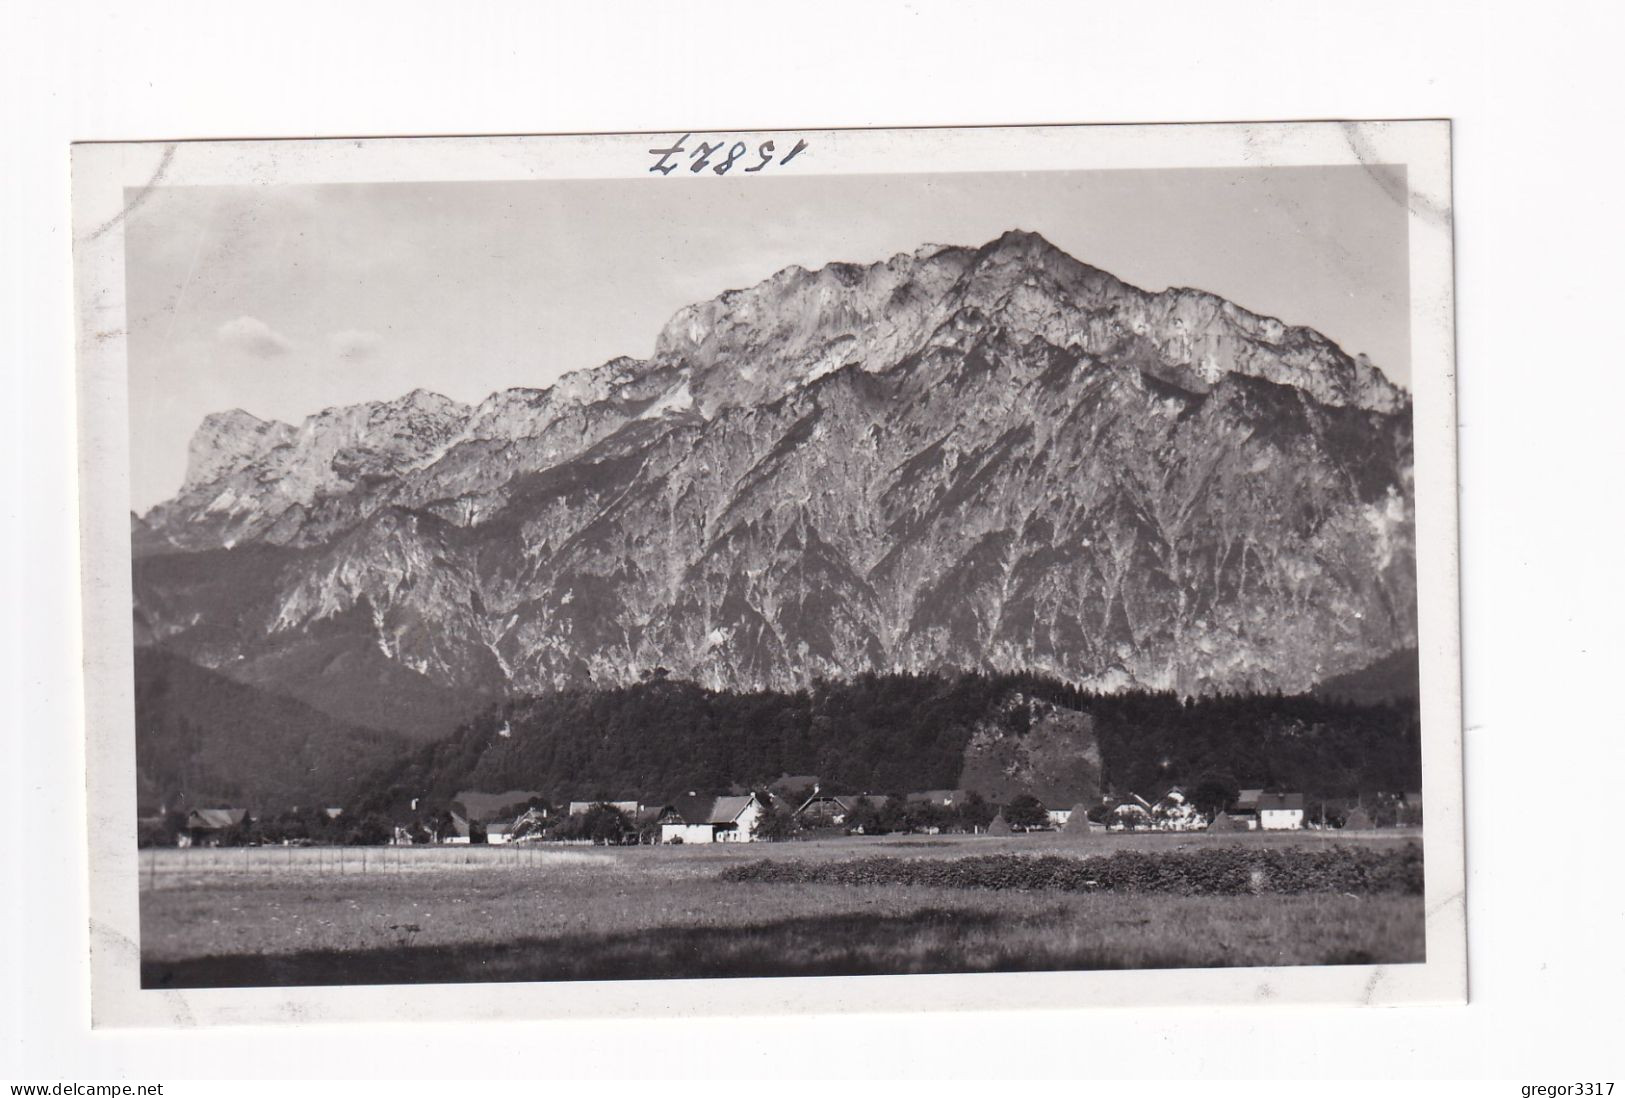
(996, 457)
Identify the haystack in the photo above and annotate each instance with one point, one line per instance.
(1077, 821)
(999, 826)
(1358, 820)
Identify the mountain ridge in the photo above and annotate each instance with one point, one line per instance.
(995, 457)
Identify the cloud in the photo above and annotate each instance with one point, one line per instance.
(355, 345)
(254, 336)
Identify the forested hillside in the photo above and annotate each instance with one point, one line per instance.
(896, 733)
(203, 739)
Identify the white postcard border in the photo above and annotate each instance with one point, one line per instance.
(110, 179)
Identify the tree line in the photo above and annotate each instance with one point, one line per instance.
(885, 735)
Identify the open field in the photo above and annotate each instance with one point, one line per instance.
(279, 916)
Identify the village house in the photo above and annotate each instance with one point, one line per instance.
(1130, 816)
(497, 832)
(209, 826)
(825, 810)
(1058, 817)
(1280, 811)
(697, 818)
(529, 827)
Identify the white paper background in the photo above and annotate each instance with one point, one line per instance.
(1537, 290)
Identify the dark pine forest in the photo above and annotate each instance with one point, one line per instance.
(894, 733)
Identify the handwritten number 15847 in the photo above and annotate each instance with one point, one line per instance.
(701, 156)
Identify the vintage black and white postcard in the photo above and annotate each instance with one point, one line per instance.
(1014, 564)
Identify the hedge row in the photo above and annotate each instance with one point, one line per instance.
(1228, 871)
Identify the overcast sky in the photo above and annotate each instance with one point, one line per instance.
(283, 301)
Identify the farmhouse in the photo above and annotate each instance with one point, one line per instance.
(528, 827)
(696, 818)
(1280, 811)
(208, 826)
(1129, 815)
(824, 810)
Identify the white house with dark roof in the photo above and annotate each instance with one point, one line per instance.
(1280, 811)
(696, 818)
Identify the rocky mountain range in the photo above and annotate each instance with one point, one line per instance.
(992, 457)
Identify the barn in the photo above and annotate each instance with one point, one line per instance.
(697, 818)
(209, 826)
(824, 810)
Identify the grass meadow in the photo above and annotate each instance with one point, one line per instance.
(290, 917)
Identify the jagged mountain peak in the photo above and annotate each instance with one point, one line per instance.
(994, 456)
(227, 440)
